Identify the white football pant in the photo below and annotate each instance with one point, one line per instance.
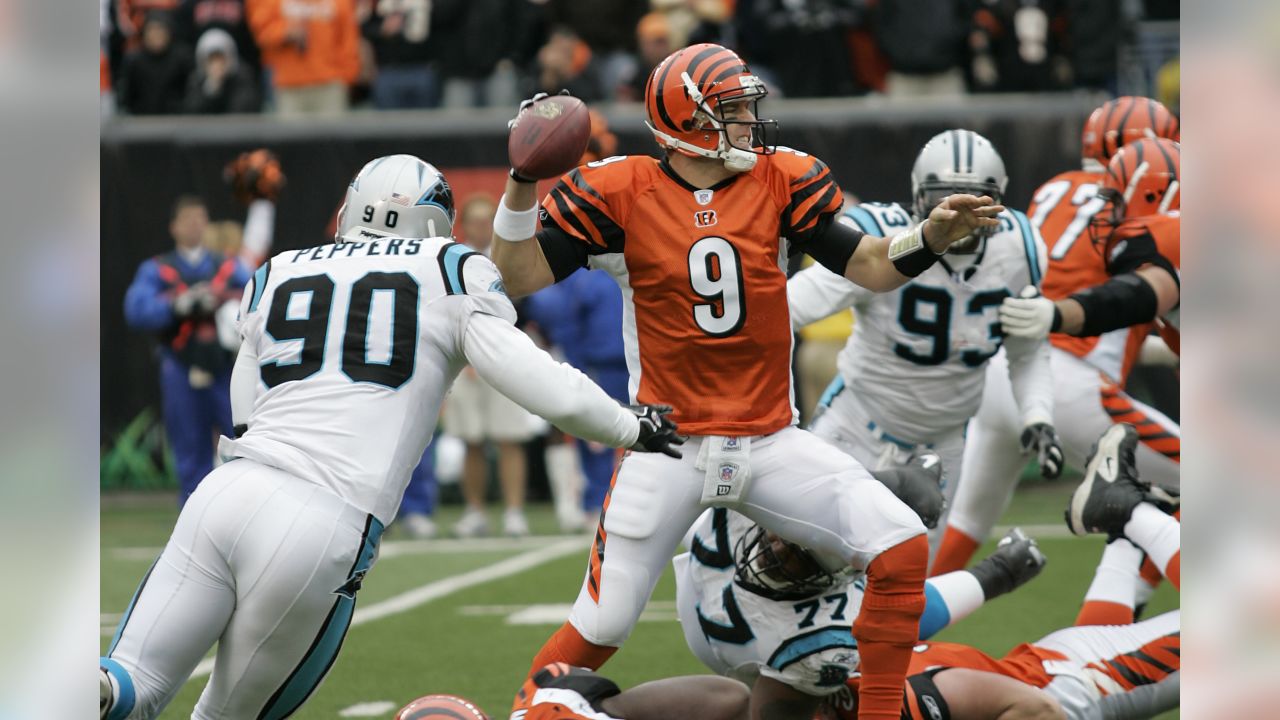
(266, 565)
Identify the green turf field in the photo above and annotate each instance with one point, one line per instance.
(449, 617)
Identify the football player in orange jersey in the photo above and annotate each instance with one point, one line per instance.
(695, 240)
(1138, 232)
(1089, 373)
(1094, 672)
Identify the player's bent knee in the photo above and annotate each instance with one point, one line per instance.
(622, 598)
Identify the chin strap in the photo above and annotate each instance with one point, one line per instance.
(735, 159)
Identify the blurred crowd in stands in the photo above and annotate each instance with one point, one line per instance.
(307, 57)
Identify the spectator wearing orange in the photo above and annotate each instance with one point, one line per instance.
(311, 48)
(653, 45)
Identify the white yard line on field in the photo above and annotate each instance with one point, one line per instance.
(553, 544)
(394, 548)
(447, 586)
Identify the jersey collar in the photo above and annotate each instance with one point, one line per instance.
(671, 173)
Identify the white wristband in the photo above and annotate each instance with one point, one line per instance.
(512, 225)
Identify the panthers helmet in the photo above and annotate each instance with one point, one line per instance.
(684, 100)
(397, 196)
(779, 569)
(1122, 121)
(1141, 179)
(956, 161)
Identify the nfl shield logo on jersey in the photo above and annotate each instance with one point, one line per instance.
(703, 196)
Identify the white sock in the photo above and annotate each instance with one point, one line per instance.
(1160, 535)
(1117, 574)
(960, 594)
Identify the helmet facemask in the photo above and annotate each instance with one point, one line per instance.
(721, 113)
(777, 569)
(952, 162)
(1108, 217)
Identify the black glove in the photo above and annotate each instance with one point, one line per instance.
(1043, 439)
(918, 486)
(657, 432)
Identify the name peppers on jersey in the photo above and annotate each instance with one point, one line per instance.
(705, 319)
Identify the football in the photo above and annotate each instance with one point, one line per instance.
(441, 707)
(549, 137)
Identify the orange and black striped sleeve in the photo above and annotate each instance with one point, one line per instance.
(812, 194)
(809, 219)
(577, 221)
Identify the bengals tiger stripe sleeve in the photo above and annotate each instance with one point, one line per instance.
(808, 219)
(578, 221)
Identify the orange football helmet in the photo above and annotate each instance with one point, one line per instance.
(685, 99)
(1121, 121)
(1141, 179)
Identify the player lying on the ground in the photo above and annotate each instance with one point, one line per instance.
(348, 351)
(912, 374)
(777, 616)
(563, 692)
(1112, 672)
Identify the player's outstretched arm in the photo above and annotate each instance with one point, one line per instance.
(978, 695)
(1123, 301)
(691, 697)
(884, 264)
(509, 361)
(523, 266)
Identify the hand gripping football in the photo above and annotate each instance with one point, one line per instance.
(549, 137)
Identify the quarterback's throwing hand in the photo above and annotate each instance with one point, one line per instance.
(657, 432)
(957, 217)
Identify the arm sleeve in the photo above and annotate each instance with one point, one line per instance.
(831, 241)
(1133, 251)
(509, 361)
(259, 232)
(1029, 371)
(146, 306)
(1031, 378)
(816, 292)
(564, 254)
(244, 384)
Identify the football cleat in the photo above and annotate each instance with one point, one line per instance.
(1111, 489)
(1016, 559)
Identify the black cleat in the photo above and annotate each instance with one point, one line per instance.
(1111, 488)
(1016, 559)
